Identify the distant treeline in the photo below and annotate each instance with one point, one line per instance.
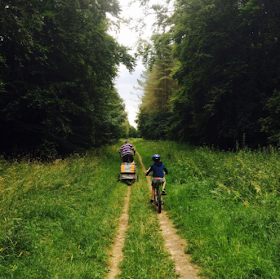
(57, 65)
(214, 77)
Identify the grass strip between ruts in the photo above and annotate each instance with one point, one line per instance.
(144, 254)
(59, 219)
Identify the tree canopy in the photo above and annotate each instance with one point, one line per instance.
(158, 87)
(57, 65)
(228, 74)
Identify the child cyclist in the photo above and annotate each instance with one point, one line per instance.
(158, 170)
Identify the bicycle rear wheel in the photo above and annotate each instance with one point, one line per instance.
(159, 200)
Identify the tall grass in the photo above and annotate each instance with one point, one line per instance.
(59, 219)
(226, 205)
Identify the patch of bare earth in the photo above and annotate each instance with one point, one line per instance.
(117, 253)
(174, 244)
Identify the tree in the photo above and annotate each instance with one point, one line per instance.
(158, 86)
(133, 133)
(228, 54)
(60, 63)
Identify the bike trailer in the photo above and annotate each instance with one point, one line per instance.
(128, 171)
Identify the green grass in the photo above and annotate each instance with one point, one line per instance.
(225, 204)
(58, 220)
(144, 254)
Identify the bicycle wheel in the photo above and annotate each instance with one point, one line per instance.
(159, 200)
(156, 197)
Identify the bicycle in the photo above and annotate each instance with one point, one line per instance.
(158, 196)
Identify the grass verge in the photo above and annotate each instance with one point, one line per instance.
(226, 205)
(58, 219)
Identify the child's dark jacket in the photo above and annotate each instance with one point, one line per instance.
(157, 168)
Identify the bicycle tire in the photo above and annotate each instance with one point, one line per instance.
(159, 200)
(156, 198)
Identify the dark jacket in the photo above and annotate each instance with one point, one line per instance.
(157, 168)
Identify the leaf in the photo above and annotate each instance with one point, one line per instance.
(246, 203)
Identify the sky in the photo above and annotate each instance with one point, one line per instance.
(126, 81)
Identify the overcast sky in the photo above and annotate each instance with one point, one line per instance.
(126, 81)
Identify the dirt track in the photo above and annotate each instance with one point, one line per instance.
(117, 253)
(174, 244)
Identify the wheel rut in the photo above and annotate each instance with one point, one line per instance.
(117, 249)
(174, 244)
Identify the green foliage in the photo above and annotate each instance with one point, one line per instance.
(133, 133)
(152, 125)
(125, 128)
(225, 204)
(110, 117)
(228, 71)
(2, 65)
(223, 48)
(158, 87)
(59, 219)
(60, 63)
(270, 124)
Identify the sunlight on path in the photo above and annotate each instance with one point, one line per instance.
(174, 244)
(117, 253)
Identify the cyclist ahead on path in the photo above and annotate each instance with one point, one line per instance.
(125, 152)
(158, 170)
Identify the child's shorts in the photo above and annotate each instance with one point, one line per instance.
(154, 181)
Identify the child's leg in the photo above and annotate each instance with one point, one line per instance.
(153, 193)
(163, 185)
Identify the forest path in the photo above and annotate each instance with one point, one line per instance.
(174, 244)
(117, 249)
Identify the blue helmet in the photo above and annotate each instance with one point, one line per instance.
(156, 157)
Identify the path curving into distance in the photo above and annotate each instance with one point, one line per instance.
(174, 244)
